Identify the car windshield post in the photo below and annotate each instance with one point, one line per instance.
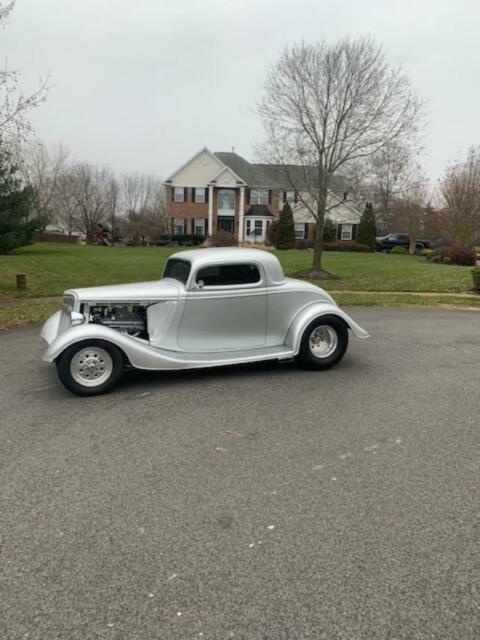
(177, 269)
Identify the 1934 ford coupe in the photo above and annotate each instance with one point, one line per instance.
(212, 307)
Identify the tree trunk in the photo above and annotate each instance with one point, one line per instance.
(413, 246)
(318, 247)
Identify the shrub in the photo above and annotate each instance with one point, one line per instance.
(346, 245)
(463, 256)
(399, 250)
(476, 278)
(181, 238)
(222, 239)
(427, 253)
(272, 232)
(304, 244)
(367, 229)
(285, 236)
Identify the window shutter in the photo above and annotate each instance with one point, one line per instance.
(284, 197)
(185, 225)
(173, 194)
(207, 191)
(270, 193)
(193, 194)
(172, 228)
(339, 231)
(306, 230)
(247, 195)
(205, 228)
(295, 196)
(193, 226)
(185, 194)
(354, 231)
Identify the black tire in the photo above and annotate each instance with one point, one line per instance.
(306, 357)
(64, 362)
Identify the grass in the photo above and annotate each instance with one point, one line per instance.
(52, 268)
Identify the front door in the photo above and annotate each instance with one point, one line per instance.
(226, 309)
(256, 229)
(226, 224)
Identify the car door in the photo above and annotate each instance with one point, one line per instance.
(225, 308)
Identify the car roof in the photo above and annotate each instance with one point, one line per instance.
(201, 257)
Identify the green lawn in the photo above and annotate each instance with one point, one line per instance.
(51, 268)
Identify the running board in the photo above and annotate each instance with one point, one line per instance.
(222, 358)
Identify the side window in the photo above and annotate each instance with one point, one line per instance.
(224, 275)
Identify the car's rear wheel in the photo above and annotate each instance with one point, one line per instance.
(90, 367)
(323, 343)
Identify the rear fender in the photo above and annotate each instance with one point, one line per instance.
(313, 311)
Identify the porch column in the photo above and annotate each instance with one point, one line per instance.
(210, 210)
(241, 212)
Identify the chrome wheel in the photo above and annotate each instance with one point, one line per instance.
(91, 367)
(323, 341)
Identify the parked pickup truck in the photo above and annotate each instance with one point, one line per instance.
(386, 243)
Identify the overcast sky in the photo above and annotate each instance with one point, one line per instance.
(142, 85)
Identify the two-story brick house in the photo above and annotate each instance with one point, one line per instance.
(223, 191)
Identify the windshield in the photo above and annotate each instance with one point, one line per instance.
(177, 269)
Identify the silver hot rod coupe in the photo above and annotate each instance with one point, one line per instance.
(212, 307)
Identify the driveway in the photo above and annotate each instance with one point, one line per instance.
(256, 502)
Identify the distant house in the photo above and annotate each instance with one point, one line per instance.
(224, 192)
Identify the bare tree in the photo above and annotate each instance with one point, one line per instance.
(85, 193)
(14, 106)
(326, 108)
(408, 209)
(392, 173)
(41, 167)
(113, 195)
(143, 203)
(460, 192)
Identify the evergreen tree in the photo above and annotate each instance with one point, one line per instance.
(285, 236)
(329, 232)
(16, 222)
(367, 229)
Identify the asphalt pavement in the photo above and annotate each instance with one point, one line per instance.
(253, 502)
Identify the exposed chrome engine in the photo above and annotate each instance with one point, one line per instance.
(131, 319)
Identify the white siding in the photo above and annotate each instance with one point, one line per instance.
(199, 171)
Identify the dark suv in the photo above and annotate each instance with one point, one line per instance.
(386, 243)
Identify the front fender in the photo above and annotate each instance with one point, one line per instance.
(316, 310)
(134, 348)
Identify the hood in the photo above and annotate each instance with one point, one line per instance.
(167, 289)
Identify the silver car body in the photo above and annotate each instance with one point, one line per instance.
(190, 326)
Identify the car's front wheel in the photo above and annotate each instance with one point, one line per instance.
(323, 343)
(90, 367)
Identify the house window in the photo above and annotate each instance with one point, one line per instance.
(199, 195)
(290, 197)
(179, 194)
(199, 226)
(347, 231)
(259, 196)
(179, 227)
(299, 230)
(226, 200)
(228, 274)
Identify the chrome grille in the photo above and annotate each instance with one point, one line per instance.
(67, 308)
